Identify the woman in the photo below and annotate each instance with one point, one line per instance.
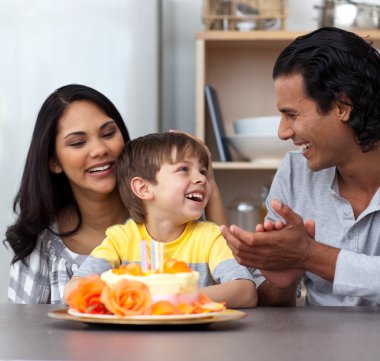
(68, 195)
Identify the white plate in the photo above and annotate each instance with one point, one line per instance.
(142, 317)
(204, 318)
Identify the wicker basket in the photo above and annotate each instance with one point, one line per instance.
(244, 15)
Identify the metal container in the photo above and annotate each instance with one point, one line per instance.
(348, 14)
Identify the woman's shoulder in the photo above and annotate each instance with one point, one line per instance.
(38, 260)
(48, 239)
(51, 247)
(41, 276)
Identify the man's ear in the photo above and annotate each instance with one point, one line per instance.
(141, 189)
(54, 166)
(344, 109)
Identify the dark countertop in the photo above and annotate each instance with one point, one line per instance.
(300, 333)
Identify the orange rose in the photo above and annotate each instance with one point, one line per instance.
(127, 298)
(86, 296)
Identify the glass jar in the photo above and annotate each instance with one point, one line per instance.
(244, 212)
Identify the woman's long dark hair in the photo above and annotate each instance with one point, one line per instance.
(43, 194)
(337, 65)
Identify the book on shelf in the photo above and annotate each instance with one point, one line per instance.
(217, 123)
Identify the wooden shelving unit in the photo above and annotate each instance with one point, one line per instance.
(239, 66)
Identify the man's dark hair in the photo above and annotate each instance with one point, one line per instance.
(337, 65)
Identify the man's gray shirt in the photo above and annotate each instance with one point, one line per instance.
(315, 195)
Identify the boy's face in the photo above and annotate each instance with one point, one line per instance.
(182, 190)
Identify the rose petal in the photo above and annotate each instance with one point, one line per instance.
(186, 308)
(174, 266)
(131, 269)
(205, 304)
(164, 308)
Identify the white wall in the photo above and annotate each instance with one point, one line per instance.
(109, 45)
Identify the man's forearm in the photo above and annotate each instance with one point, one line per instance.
(321, 261)
(272, 296)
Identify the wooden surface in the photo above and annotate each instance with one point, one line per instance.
(274, 36)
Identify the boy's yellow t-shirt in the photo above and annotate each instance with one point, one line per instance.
(201, 246)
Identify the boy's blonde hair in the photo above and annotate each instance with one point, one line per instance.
(144, 156)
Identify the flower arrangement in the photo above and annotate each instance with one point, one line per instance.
(129, 298)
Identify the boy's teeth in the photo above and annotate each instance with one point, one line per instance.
(99, 169)
(195, 196)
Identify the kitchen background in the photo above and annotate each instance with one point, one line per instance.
(140, 53)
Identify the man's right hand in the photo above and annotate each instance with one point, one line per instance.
(280, 287)
(285, 278)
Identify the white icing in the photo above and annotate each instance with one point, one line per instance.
(173, 287)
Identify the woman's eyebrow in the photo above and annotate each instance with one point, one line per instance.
(107, 123)
(83, 133)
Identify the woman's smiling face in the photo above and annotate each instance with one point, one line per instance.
(87, 145)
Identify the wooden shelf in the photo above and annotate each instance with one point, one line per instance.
(275, 35)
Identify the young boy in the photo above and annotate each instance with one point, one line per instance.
(163, 181)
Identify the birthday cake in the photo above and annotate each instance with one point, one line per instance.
(177, 283)
(172, 289)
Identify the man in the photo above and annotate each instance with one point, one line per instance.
(327, 85)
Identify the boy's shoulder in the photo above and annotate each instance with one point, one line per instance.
(129, 225)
